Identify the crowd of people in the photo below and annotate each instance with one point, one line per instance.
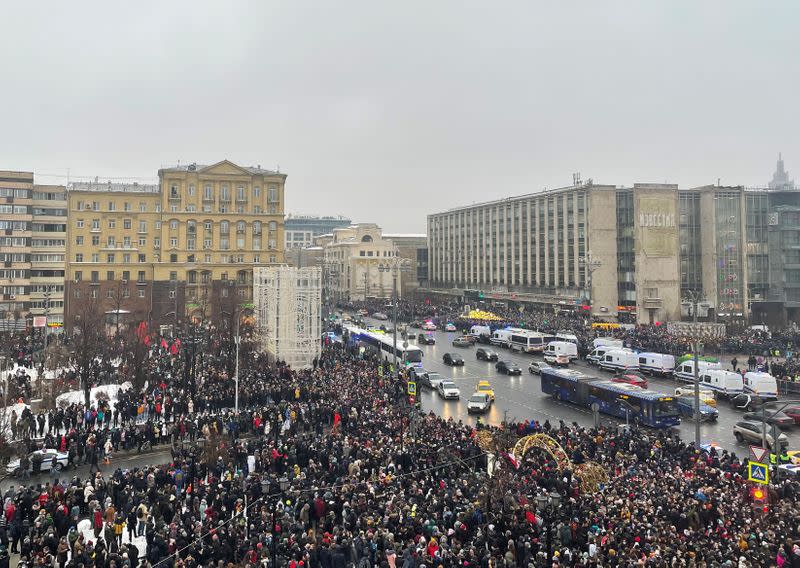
(326, 468)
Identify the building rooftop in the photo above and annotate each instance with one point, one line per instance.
(405, 235)
(113, 187)
(256, 170)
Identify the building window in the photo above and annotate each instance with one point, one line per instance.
(95, 276)
(111, 241)
(272, 244)
(172, 294)
(111, 258)
(80, 205)
(206, 208)
(142, 207)
(173, 242)
(240, 193)
(142, 258)
(191, 191)
(224, 243)
(79, 240)
(256, 227)
(207, 243)
(273, 225)
(112, 223)
(79, 224)
(240, 242)
(272, 194)
(126, 206)
(173, 224)
(207, 260)
(112, 206)
(256, 243)
(95, 257)
(142, 241)
(95, 205)
(272, 258)
(95, 240)
(191, 208)
(173, 191)
(126, 258)
(109, 293)
(241, 227)
(126, 293)
(224, 193)
(257, 209)
(173, 257)
(208, 192)
(224, 227)
(78, 275)
(156, 242)
(190, 244)
(93, 292)
(126, 275)
(140, 276)
(142, 226)
(126, 242)
(78, 257)
(256, 191)
(158, 225)
(95, 224)
(140, 292)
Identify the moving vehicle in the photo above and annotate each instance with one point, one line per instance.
(450, 327)
(508, 368)
(478, 330)
(706, 396)
(407, 354)
(431, 379)
(453, 359)
(686, 407)
(486, 388)
(560, 352)
(640, 406)
(462, 342)
(753, 432)
(485, 354)
(762, 384)
(429, 326)
(380, 316)
(448, 390)
(634, 379)
(656, 363)
(619, 360)
(416, 373)
(536, 367)
(685, 370)
(426, 339)
(778, 418)
(746, 402)
(479, 402)
(13, 467)
(411, 335)
(725, 383)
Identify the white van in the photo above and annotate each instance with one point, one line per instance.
(619, 360)
(725, 383)
(567, 337)
(478, 330)
(685, 371)
(656, 363)
(607, 342)
(501, 337)
(761, 384)
(599, 353)
(565, 349)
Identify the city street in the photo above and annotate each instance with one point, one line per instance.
(521, 397)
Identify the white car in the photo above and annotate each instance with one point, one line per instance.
(429, 326)
(450, 327)
(448, 390)
(479, 402)
(380, 316)
(536, 367)
(13, 467)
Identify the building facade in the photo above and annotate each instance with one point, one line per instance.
(178, 250)
(300, 230)
(32, 249)
(413, 248)
(563, 248)
(356, 259)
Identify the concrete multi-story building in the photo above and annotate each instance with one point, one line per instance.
(413, 248)
(626, 253)
(357, 263)
(32, 248)
(178, 249)
(300, 230)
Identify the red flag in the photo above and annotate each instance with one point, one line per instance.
(164, 343)
(174, 348)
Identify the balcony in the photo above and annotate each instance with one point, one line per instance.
(651, 303)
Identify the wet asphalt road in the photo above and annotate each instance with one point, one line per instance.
(522, 399)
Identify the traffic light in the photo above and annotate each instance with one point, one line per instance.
(480, 295)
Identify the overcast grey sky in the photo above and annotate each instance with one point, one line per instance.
(387, 114)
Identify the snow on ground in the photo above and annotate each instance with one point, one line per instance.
(85, 528)
(109, 392)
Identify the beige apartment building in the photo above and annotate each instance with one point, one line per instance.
(179, 250)
(32, 249)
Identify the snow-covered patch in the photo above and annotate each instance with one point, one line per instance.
(103, 392)
(50, 374)
(85, 528)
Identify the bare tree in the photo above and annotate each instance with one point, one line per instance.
(90, 339)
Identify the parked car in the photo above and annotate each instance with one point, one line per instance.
(634, 379)
(686, 408)
(479, 402)
(559, 359)
(380, 316)
(536, 367)
(453, 359)
(794, 412)
(752, 432)
(13, 467)
(462, 342)
(508, 368)
(426, 339)
(448, 390)
(779, 419)
(450, 327)
(486, 388)
(485, 354)
(706, 396)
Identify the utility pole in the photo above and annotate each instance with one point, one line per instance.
(696, 348)
(366, 277)
(238, 340)
(590, 264)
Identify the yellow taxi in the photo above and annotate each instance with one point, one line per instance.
(794, 456)
(485, 387)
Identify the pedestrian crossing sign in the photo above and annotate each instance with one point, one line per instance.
(758, 472)
(412, 388)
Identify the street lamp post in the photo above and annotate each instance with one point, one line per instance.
(695, 296)
(394, 265)
(590, 264)
(548, 505)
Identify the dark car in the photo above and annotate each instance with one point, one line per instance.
(508, 368)
(462, 342)
(425, 339)
(780, 419)
(453, 359)
(485, 354)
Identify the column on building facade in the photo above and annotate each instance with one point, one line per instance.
(510, 234)
(485, 234)
(576, 266)
(528, 243)
(565, 209)
(538, 243)
(546, 220)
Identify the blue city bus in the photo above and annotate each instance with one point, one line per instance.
(383, 344)
(641, 406)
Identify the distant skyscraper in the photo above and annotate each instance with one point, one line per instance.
(780, 179)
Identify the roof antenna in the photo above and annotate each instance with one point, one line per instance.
(278, 169)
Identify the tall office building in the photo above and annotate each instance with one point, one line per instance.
(632, 253)
(32, 241)
(164, 253)
(300, 230)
